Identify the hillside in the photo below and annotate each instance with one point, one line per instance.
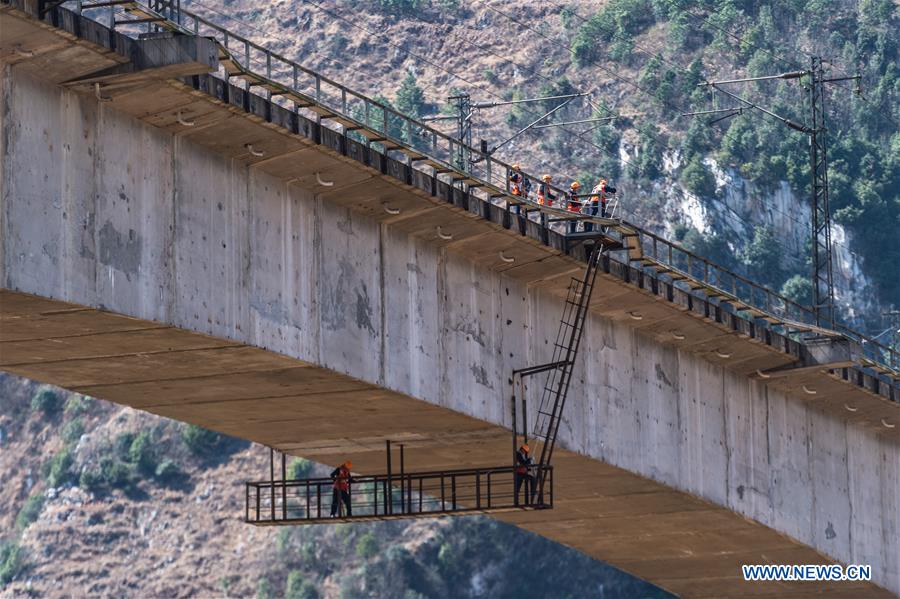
(105, 501)
(735, 190)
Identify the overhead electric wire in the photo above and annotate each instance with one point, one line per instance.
(725, 134)
(444, 69)
(315, 5)
(489, 91)
(788, 60)
(492, 93)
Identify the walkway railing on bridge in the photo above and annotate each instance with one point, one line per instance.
(386, 496)
(692, 272)
(332, 104)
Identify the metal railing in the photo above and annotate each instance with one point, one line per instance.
(306, 91)
(751, 297)
(418, 494)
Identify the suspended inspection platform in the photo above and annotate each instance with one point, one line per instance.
(393, 495)
(446, 492)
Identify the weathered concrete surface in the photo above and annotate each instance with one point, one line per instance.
(690, 546)
(102, 210)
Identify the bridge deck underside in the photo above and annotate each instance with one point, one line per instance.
(670, 538)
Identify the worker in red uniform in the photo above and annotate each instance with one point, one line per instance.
(573, 204)
(341, 488)
(545, 196)
(524, 465)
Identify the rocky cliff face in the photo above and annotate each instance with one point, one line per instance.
(740, 207)
(497, 51)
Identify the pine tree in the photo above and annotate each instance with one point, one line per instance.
(410, 97)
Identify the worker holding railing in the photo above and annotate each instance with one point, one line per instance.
(574, 204)
(516, 185)
(598, 199)
(523, 474)
(519, 185)
(545, 197)
(341, 489)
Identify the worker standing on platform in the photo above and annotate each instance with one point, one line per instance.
(524, 465)
(341, 488)
(518, 186)
(574, 204)
(599, 196)
(545, 197)
(515, 180)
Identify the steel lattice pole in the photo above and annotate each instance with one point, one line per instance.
(823, 277)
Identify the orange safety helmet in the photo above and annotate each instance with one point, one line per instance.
(546, 178)
(525, 447)
(516, 167)
(576, 185)
(348, 465)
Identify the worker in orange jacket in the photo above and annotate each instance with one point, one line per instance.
(574, 204)
(545, 196)
(515, 180)
(519, 185)
(341, 480)
(599, 197)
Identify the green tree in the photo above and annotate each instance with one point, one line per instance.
(72, 431)
(299, 468)
(168, 472)
(763, 257)
(202, 442)
(404, 7)
(697, 179)
(798, 289)
(48, 401)
(116, 474)
(298, 587)
(692, 77)
(122, 445)
(142, 454)
(366, 546)
(58, 469)
(648, 163)
(77, 405)
(12, 561)
(30, 511)
(410, 97)
(680, 28)
(651, 72)
(712, 247)
(697, 140)
(90, 480)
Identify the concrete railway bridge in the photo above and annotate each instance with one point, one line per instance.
(198, 228)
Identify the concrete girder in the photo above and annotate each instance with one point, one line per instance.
(237, 147)
(277, 400)
(642, 414)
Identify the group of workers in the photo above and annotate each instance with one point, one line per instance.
(592, 204)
